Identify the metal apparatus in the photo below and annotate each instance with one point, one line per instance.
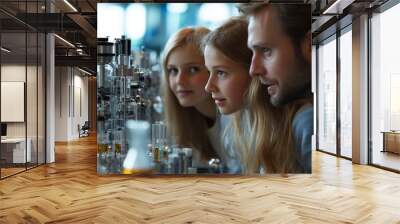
(131, 137)
(125, 91)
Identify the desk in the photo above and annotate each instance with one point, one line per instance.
(15, 148)
(391, 141)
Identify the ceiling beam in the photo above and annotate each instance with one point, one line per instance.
(82, 61)
(90, 31)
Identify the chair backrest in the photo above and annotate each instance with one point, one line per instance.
(86, 125)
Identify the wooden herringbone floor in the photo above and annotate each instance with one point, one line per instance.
(70, 191)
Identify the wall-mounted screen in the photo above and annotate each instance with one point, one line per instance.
(12, 101)
(150, 122)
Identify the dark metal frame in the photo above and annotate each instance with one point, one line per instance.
(45, 89)
(25, 89)
(369, 78)
(316, 97)
(338, 98)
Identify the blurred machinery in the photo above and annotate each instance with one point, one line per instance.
(127, 86)
(131, 136)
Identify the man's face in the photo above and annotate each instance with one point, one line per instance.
(284, 70)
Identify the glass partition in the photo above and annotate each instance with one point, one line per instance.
(31, 97)
(385, 89)
(327, 95)
(13, 103)
(346, 93)
(22, 89)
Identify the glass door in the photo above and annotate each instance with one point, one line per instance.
(22, 77)
(385, 89)
(13, 103)
(326, 59)
(345, 42)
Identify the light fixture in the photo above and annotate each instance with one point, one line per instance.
(70, 5)
(177, 7)
(135, 12)
(337, 7)
(84, 71)
(213, 12)
(115, 27)
(5, 50)
(65, 41)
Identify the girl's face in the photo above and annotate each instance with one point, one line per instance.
(228, 80)
(187, 76)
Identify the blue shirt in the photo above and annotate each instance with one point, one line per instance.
(302, 131)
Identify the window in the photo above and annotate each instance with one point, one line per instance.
(346, 93)
(385, 88)
(327, 95)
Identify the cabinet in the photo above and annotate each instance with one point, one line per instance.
(391, 141)
(13, 150)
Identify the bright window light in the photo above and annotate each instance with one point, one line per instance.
(135, 18)
(213, 12)
(110, 20)
(177, 7)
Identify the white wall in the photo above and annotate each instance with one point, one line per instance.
(61, 103)
(12, 73)
(33, 126)
(80, 85)
(70, 84)
(17, 73)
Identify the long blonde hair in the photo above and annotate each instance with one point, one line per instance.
(270, 143)
(272, 133)
(271, 129)
(187, 123)
(231, 40)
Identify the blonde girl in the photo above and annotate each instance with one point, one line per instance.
(190, 112)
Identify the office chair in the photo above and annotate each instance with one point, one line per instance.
(84, 130)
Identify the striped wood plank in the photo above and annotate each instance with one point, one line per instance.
(69, 191)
